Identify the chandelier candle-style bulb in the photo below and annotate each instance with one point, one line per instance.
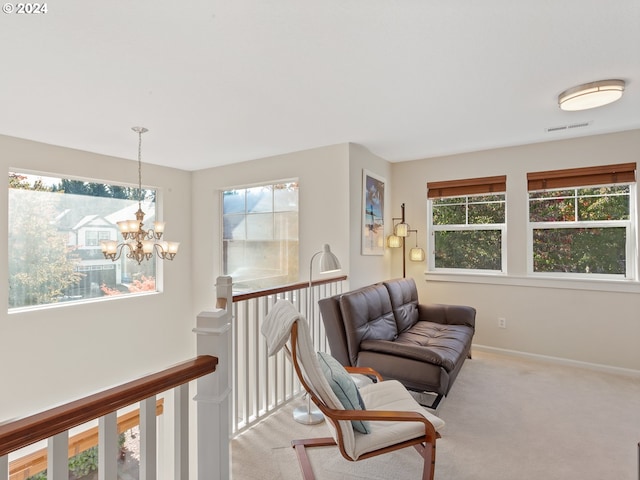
(172, 247)
(168, 250)
(109, 247)
(147, 247)
(133, 226)
(123, 226)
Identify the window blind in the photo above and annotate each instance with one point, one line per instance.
(468, 186)
(578, 177)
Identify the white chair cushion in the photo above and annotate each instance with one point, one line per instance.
(390, 395)
(276, 329)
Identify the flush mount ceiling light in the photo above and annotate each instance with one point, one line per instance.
(591, 95)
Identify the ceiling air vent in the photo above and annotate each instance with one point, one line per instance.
(567, 127)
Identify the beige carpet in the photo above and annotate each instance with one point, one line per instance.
(507, 419)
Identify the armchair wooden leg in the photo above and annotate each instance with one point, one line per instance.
(428, 452)
(300, 447)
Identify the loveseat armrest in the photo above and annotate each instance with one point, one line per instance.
(447, 314)
(334, 328)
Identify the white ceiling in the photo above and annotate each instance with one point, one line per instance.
(218, 82)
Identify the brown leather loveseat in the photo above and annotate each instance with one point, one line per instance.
(383, 326)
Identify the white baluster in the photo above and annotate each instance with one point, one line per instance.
(4, 467)
(148, 439)
(181, 431)
(58, 457)
(108, 447)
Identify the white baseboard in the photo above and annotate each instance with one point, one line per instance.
(559, 361)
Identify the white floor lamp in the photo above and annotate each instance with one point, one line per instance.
(310, 414)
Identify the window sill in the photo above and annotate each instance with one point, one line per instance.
(75, 303)
(619, 286)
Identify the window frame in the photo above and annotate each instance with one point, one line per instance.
(630, 225)
(244, 214)
(118, 265)
(468, 188)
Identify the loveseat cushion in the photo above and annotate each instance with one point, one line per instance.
(367, 314)
(442, 345)
(448, 314)
(403, 294)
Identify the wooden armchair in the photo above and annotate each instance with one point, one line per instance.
(392, 418)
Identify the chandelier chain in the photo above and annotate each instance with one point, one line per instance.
(140, 167)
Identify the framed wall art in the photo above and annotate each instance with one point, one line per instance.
(372, 214)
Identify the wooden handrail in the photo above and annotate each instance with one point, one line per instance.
(28, 430)
(285, 288)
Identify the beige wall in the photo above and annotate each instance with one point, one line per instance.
(323, 175)
(52, 355)
(593, 322)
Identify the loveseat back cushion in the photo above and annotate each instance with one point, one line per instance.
(367, 314)
(404, 302)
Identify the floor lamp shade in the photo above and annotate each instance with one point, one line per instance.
(402, 230)
(328, 261)
(394, 241)
(416, 254)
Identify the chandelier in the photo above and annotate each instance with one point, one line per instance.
(139, 244)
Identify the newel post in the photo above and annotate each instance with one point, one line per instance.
(213, 330)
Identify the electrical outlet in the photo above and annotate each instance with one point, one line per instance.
(502, 322)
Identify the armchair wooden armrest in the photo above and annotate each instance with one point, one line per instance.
(383, 416)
